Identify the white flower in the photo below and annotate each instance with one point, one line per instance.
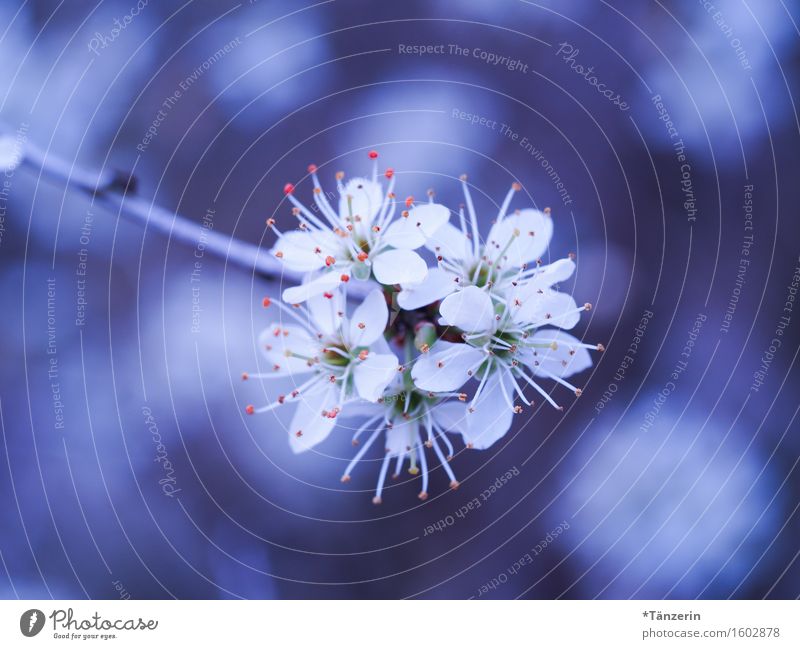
(508, 259)
(360, 239)
(495, 296)
(504, 348)
(337, 361)
(412, 421)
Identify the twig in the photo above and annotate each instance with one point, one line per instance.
(116, 192)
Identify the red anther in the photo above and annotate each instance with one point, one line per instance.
(389, 172)
(270, 222)
(312, 169)
(245, 376)
(362, 256)
(266, 302)
(279, 254)
(345, 278)
(328, 295)
(330, 261)
(288, 188)
(281, 398)
(409, 201)
(373, 154)
(250, 410)
(362, 355)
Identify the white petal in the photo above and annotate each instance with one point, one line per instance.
(361, 410)
(366, 200)
(298, 250)
(399, 267)
(491, 417)
(368, 321)
(469, 309)
(548, 308)
(308, 420)
(278, 340)
(446, 366)
(402, 437)
(529, 232)
(450, 416)
(327, 282)
(326, 312)
(559, 271)
(10, 153)
(438, 285)
(450, 242)
(414, 230)
(567, 359)
(372, 375)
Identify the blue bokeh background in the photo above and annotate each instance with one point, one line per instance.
(702, 503)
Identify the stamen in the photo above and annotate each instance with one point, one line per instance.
(549, 317)
(519, 390)
(398, 465)
(473, 217)
(310, 216)
(388, 208)
(515, 187)
(445, 464)
(539, 389)
(438, 430)
(369, 423)
(558, 379)
(503, 252)
(509, 401)
(481, 384)
(423, 495)
(553, 344)
(381, 479)
(360, 454)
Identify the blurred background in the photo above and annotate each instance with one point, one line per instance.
(663, 136)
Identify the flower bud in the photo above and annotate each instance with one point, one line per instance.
(424, 336)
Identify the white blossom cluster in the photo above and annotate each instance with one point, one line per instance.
(456, 347)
